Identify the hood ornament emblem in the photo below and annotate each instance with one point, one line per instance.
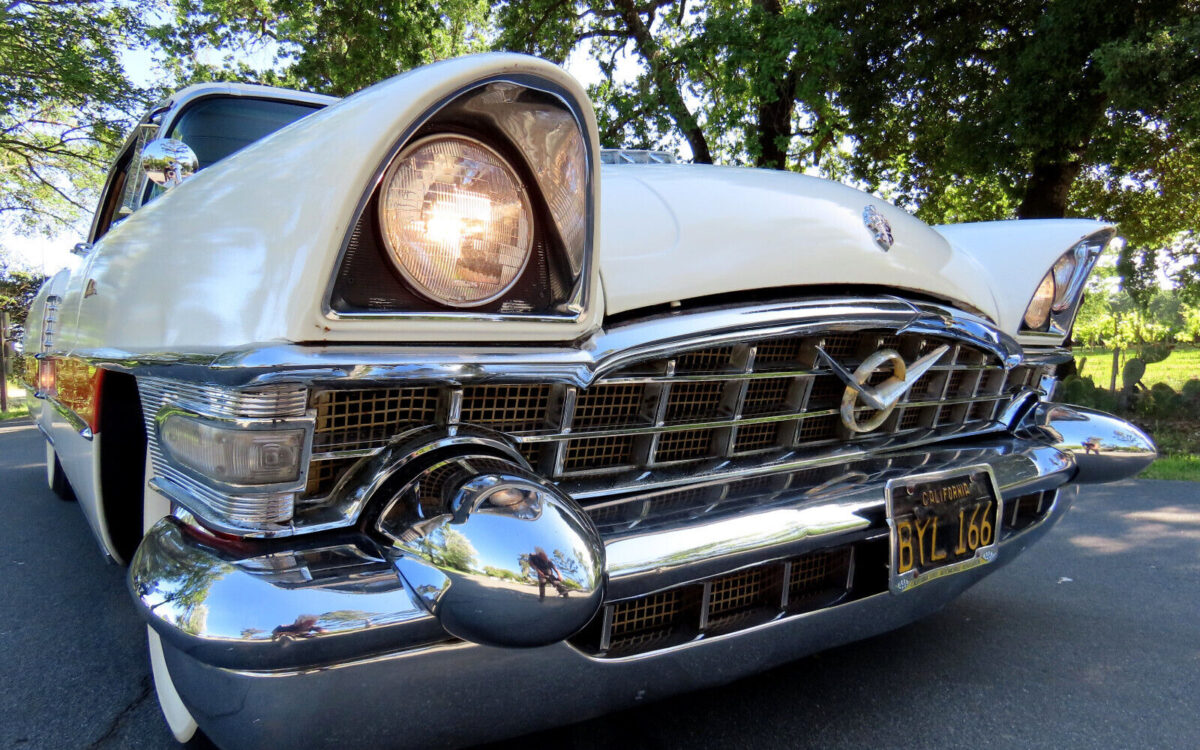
(884, 396)
(879, 227)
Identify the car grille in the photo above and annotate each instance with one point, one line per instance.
(700, 405)
(730, 602)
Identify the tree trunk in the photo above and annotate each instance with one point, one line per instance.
(775, 117)
(668, 92)
(1047, 189)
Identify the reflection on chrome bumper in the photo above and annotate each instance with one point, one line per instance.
(1105, 448)
(417, 698)
(270, 648)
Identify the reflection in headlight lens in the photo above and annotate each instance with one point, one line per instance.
(456, 220)
(1038, 312)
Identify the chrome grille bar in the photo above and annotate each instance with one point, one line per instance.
(709, 403)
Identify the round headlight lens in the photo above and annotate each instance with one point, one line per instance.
(456, 220)
(1038, 312)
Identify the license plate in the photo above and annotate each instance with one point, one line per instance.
(941, 523)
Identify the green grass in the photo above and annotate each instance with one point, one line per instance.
(1181, 366)
(1174, 467)
(16, 404)
(15, 410)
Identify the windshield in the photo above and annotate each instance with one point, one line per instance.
(218, 126)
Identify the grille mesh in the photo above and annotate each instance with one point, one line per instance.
(755, 437)
(713, 386)
(683, 445)
(738, 591)
(766, 396)
(704, 360)
(612, 405)
(507, 408)
(647, 613)
(691, 402)
(357, 419)
(599, 452)
(724, 604)
(818, 572)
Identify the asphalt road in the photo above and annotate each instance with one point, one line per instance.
(1090, 640)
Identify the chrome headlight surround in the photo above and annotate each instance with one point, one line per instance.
(546, 133)
(1056, 300)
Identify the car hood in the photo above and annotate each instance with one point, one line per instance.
(676, 232)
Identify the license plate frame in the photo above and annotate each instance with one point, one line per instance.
(940, 494)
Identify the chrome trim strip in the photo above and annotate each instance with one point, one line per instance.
(77, 422)
(642, 561)
(579, 364)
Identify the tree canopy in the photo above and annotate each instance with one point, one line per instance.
(65, 103)
(958, 110)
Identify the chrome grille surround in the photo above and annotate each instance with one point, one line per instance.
(702, 407)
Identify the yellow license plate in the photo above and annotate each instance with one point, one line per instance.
(942, 523)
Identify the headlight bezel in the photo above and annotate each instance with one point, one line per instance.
(545, 132)
(411, 276)
(1067, 276)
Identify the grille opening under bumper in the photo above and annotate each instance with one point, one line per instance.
(762, 593)
(1024, 511)
(738, 600)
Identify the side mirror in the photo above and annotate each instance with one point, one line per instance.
(81, 248)
(169, 162)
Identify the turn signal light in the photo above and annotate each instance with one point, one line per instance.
(233, 455)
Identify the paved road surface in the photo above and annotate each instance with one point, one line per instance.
(1090, 640)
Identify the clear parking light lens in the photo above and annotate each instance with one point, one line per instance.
(456, 220)
(231, 455)
(1037, 315)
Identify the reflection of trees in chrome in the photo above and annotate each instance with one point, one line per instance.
(183, 577)
(447, 548)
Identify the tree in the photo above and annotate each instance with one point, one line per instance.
(738, 81)
(331, 47)
(979, 110)
(18, 287)
(65, 103)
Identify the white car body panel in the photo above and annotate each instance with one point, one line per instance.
(678, 232)
(204, 270)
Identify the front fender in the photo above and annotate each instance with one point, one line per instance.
(243, 251)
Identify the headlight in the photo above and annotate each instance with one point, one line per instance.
(1037, 315)
(456, 220)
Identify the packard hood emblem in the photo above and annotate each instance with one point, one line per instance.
(884, 396)
(878, 226)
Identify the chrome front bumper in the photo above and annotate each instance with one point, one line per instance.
(305, 645)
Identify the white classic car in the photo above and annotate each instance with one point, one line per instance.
(403, 403)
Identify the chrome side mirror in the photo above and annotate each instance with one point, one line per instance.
(81, 248)
(169, 162)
